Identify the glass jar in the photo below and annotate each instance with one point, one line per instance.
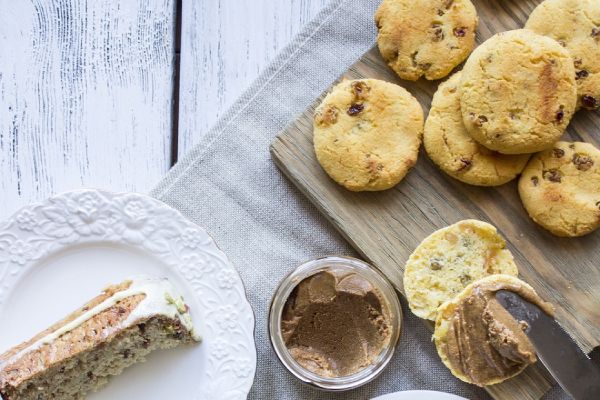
(377, 280)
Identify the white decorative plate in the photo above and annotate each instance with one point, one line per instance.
(419, 395)
(56, 255)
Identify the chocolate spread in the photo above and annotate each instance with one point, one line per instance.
(484, 341)
(335, 323)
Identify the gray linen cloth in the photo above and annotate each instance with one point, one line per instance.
(229, 185)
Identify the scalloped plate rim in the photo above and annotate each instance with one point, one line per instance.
(10, 220)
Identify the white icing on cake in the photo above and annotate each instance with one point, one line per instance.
(160, 298)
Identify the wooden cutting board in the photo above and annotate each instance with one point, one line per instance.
(385, 227)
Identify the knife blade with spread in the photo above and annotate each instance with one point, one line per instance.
(574, 371)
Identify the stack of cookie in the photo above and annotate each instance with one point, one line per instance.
(367, 133)
(514, 97)
(451, 278)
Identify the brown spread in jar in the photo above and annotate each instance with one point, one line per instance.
(335, 323)
(484, 342)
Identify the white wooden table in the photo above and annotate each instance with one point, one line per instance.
(88, 88)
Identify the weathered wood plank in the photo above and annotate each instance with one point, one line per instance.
(385, 227)
(244, 37)
(85, 96)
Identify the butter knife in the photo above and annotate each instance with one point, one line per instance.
(574, 371)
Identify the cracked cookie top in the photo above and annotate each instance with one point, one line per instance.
(518, 92)
(425, 37)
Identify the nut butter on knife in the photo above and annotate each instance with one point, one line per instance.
(572, 368)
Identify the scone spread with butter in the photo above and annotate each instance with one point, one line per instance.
(560, 188)
(451, 258)
(477, 339)
(367, 134)
(425, 37)
(575, 24)
(518, 92)
(452, 149)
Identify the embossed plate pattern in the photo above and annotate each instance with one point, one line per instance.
(57, 254)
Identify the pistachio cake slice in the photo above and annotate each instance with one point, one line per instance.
(80, 353)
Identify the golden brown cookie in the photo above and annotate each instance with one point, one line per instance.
(452, 149)
(425, 37)
(575, 24)
(451, 258)
(477, 339)
(560, 188)
(518, 92)
(367, 134)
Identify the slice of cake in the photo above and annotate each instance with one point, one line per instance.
(111, 332)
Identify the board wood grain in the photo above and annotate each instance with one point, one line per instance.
(85, 96)
(385, 227)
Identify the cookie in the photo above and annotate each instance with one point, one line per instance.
(478, 340)
(451, 258)
(367, 134)
(425, 37)
(560, 188)
(575, 24)
(518, 92)
(452, 149)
